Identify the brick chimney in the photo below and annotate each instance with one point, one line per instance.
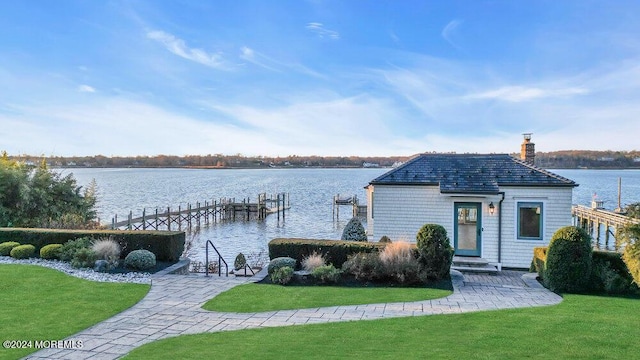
(528, 150)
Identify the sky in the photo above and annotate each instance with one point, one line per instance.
(328, 78)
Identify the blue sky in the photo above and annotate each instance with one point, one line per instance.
(317, 77)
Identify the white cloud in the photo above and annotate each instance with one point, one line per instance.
(322, 32)
(179, 47)
(449, 30)
(256, 58)
(524, 93)
(86, 88)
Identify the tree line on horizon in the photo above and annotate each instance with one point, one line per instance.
(565, 159)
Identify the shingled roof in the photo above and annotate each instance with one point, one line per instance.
(470, 173)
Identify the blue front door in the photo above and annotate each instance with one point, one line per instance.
(467, 229)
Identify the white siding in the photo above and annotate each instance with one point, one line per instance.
(399, 211)
(556, 213)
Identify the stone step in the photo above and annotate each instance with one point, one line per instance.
(472, 269)
(469, 261)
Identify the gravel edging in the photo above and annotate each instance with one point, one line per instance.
(83, 273)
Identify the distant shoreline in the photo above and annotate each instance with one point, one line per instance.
(294, 167)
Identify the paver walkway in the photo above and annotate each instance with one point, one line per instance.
(173, 307)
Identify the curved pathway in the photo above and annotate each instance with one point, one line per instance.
(173, 307)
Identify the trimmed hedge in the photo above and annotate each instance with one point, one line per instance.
(334, 251)
(539, 259)
(166, 245)
(610, 275)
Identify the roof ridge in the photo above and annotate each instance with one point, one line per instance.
(544, 171)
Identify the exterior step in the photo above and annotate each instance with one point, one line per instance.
(470, 269)
(469, 261)
(473, 264)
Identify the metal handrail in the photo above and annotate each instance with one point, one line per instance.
(250, 269)
(220, 260)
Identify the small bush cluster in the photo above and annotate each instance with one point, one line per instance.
(354, 231)
(400, 263)
(51, 251)
(23, 251)
(71, 247)
(240, 262)
(364, 266)
(140, 260)
(279, 263)
(282, 275)
(84, 257)
(5, 247)
(313, 261)
(569, 257)
(326, 274)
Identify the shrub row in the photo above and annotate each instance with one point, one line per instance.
(166, 245)
(335, 252)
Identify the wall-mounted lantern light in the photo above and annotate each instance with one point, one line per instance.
(492, 208)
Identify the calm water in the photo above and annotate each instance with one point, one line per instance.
(311, 192)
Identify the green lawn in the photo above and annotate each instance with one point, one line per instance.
(581, 327)
(44, 304)
(268, 297)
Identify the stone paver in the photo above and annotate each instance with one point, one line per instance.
(173, 307)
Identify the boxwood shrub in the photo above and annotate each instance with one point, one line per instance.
(568, 265)
(166, 245)
(5, 247)
(51, 251)
(334, 251)
(23, 251)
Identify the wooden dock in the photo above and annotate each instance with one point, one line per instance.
(595, 219)
(205, 214)
(357, 210)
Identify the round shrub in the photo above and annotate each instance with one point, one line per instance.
(140, 260)
(354, 231)
(385, 239)
(51, 251)
(434, 252)
(240, 262)
(282, 275)
(279, 263)
(5, 247)
(568, 264)
(23, 251)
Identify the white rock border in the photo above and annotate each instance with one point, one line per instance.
(83, 273)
